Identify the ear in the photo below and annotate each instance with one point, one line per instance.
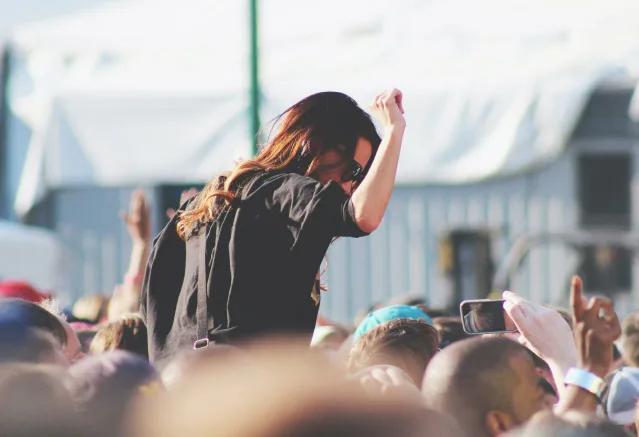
(497, 422)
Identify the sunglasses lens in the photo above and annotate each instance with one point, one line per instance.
(354, 173)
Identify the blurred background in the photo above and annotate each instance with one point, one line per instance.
(517, 170)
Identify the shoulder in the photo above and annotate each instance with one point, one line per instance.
(269, 183)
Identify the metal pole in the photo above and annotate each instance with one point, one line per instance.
(5, 210)
(254, 77)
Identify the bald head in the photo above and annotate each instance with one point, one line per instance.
(474, 378)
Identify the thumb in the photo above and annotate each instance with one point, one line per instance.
(399, 99)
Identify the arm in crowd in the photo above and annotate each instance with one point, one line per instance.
(596, 327)
(125, 298)
(545, 332)
(138, 223)
(373, 194)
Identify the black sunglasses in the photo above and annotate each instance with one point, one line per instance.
(354, 173)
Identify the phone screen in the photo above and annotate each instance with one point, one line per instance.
(484, 316)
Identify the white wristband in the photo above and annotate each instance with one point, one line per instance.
(586, 380)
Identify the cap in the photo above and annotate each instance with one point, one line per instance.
(620, 400)
(387, 314)
(21, 290)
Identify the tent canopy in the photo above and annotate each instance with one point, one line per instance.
(36, 256)
(152, 91)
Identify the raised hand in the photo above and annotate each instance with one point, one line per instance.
(389, 108)
(596, 328)
(137, 219)
(385, 379)
(545, 332)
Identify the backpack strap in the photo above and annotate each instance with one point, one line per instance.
(202, 339)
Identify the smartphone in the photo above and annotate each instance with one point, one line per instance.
(483, 316)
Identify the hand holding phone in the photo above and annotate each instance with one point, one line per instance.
(484, 316)
(544, 331)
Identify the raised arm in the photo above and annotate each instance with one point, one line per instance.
(371, 197)
(596, 328)
(138, 223)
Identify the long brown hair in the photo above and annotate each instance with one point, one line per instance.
(320, 122)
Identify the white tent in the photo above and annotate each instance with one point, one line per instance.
(145, 91)
(36, 256)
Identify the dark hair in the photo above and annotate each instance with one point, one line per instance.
(30, 315)
(406, 343)
(128, 334)
(320, 122)
(450, 330)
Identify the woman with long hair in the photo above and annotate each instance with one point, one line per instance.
(242, 258)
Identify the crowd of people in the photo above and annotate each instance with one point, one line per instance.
(201, 356)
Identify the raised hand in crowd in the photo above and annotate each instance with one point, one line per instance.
(596, 327)
(373, 193)
(137, 219)
(545, 332)
(385, 379)
(125, 297)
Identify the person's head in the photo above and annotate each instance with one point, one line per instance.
(18, 312)
(326, 136)
(20, 344)
(547, 382)
(450, 330)
(619, 399)
(281, 391)
(72, 347)
(489, 384)
(386, 314)
(630, 340)
(128, 333)
(35, 402)
(104, 385)
(570, 424)
(406, 343)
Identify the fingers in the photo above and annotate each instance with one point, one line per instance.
(600, 307)
(603, 309)
(513, 298)
(398, 376)
(398, 97)
(388, 98)
(576, 300)
(580, 338)
(517, 315)
(517, 308)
